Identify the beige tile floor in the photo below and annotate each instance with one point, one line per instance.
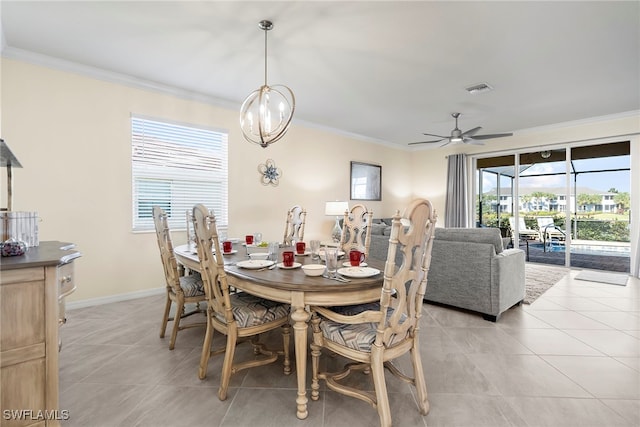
(572, 358)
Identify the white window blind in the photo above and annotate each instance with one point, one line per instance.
(177, 166)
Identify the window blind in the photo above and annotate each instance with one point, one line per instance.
(176, 166)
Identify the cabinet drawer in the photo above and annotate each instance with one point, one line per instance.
(66, 280)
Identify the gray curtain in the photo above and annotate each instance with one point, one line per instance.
(456, 198)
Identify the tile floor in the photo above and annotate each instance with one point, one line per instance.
(572, 358)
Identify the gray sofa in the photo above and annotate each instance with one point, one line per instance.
(470, 270)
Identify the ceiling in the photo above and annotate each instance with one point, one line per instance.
(385, 71)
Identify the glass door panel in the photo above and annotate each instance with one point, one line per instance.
(542, 191)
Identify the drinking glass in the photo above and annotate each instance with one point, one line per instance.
(315, 249)
(257, 238)
(274, 251)
(331, 259)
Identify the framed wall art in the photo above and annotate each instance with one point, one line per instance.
(366, 181)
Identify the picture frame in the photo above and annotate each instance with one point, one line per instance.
(366, 181)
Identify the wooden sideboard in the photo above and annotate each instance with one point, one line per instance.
(31, 288)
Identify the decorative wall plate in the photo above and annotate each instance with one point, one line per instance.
(269, 173)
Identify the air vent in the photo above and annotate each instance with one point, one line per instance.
(480, 87)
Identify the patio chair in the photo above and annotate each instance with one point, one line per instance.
(238, 316)
(181, 289)
(294, 226)
(524, 233)
(549, 231)
(356, 230)
(373, 335)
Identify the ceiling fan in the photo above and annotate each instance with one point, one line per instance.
(468, 137)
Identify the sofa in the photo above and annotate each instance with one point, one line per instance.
(470, 270)
(380, 233)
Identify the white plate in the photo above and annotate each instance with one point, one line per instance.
(348, 264)
(233, 251)
(295, 265)
(253, 264)
(358, 272)
(304, 254)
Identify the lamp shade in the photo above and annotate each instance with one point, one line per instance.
(336, 208)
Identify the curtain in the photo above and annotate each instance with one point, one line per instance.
(456, 198)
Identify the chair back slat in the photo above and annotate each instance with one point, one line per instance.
(165, 244)
(405, 285)
(356, 230)
(294, 225)
(212, 271)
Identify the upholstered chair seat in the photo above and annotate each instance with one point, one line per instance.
(192, 285)
(249, 310)
(359, 336)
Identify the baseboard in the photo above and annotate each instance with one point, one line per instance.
(70, 305)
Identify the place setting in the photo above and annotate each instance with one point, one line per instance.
(356, 268)
(288, 260)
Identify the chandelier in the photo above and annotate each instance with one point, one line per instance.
(266, 113)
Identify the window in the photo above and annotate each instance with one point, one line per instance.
(177, 166)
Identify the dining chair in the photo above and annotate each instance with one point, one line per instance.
(372, 335)
(356, 230)
(294, 225)
(181, 289)
(237, 316)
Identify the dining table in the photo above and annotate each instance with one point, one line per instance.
(293, 286)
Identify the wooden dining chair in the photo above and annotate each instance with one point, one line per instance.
(239, 315)
(356, 230)
(181, 289)
(372, 335)
(294, 225)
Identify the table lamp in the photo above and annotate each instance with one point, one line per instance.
(336, 209)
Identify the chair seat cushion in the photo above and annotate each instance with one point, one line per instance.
(249, 310)
(359, 336)
(192, 285)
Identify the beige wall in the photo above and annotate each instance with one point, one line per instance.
(72, 135)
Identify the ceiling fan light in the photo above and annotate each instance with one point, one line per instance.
(456, 139)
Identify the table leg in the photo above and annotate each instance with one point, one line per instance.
(300, 318)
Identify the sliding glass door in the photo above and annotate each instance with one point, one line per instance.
(565, 206)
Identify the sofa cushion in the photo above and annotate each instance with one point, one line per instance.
(377, 229)
(475, 235)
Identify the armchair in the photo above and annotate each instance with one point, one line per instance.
(471, 270)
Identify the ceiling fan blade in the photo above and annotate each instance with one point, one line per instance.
(437, 136)
(471, 132)
(472, 141)
(425, 142)
(446, 143)
(491, 136)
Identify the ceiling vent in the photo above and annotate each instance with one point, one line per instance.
(480, 87)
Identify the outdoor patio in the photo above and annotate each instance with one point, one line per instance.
(535, 253)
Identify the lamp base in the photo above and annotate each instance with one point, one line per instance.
(336, 233)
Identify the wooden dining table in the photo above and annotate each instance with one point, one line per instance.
(293, 286)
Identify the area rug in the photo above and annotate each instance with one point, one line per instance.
(540, 277)
(603, 277)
